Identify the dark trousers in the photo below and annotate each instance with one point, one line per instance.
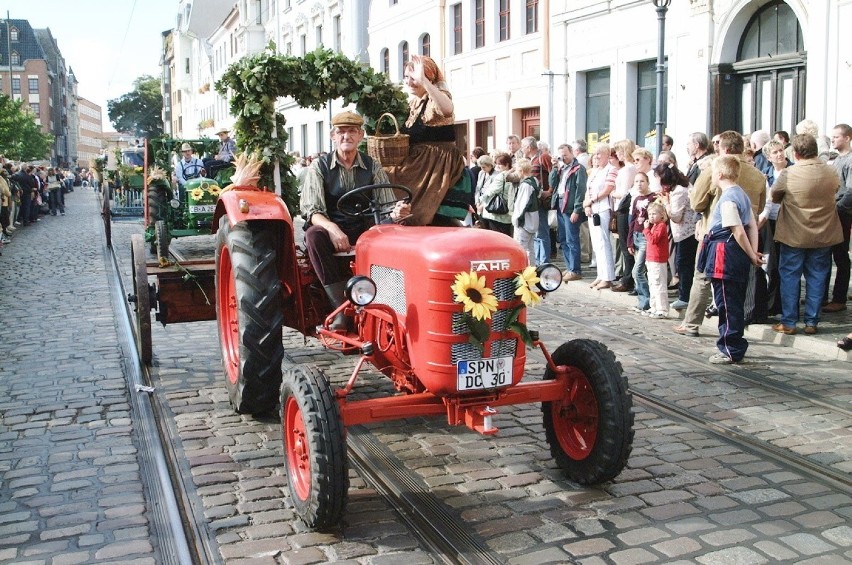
(329, 267)
(685, 257)
(56, 201)
(729, 296)
(623, 223)
(494, 225)
(24, 209)
(840, 253)
(773, 283)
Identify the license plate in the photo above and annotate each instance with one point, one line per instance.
(202, 209)
(492, 372)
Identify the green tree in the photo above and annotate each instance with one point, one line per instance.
(20, 137)
(140, 110)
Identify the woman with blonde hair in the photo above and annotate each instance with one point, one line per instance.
(434, 169)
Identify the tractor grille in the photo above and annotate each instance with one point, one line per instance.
(504, 289)
(390, 287)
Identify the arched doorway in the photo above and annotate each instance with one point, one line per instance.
(765, 87)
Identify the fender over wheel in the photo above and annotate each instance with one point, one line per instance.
(249, 313)
(142, 299)
(314, 447)
(590, 430)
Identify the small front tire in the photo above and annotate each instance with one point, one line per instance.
(314, 447)
(590, 431)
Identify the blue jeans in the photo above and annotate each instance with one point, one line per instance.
(569, 240)
(640, 271)
(815, 264)
(542, 239)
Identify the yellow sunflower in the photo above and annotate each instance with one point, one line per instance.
(525, 283)
(214, 190)
(196, 193)
(478, 299)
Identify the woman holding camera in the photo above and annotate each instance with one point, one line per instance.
(597, 207)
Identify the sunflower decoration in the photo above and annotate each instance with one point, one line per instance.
(478, 299)
(214, 190)
(479, 302)
(525, 287)
(196, 193)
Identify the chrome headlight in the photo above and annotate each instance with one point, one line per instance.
(550, 277)
(174, 203)
(360, 290)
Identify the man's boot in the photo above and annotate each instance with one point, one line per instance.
(336, 298)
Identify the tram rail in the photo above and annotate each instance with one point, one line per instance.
(654, 402)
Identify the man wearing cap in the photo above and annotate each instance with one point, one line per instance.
(327, 179)
(188, 167)
(224, 157)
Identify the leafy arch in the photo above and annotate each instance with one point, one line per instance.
(256, 81)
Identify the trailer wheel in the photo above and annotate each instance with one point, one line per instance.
(314, 447)
(249, 313)
(142, 298)
(590, 431)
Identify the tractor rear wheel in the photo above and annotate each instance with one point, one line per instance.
(590, 430)
(249, 313)
(161, 241)
(314, 447)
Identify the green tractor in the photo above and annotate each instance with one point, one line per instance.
(169, 214)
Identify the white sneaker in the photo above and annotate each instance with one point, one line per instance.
(659, 316)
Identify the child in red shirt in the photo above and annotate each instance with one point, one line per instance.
(656, 232)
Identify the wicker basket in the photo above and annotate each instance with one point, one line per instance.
(390, 149)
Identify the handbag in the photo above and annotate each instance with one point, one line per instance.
(497, 205)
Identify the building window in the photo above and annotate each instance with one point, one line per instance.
(483, 133)
(32, 84)
(403, 53)
(774, 30)
(303, 40)
(290, 139)
(385, 54)
(186, 65)
(532, 16)
(319, 35)
(16, 59)
(338, 41)
(646, 99)
(479, 23)
(13, 34)
(597, 105)
(426, 45)
(320, 136)
(457, 29)
(503, 17)
(305, 140)
(288, 48)
(34, 106)
(16, 85)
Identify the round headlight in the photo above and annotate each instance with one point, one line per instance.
(174, 203)
(360, 290)
(550, 277)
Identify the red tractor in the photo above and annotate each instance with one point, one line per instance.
(405, 320)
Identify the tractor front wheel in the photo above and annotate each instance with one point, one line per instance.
(162, 239)
(314, 447)
(590, 430)
(249, 313)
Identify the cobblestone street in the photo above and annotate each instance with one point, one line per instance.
(747, 464)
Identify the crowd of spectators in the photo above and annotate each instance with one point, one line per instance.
(28, 192)
(595, 207)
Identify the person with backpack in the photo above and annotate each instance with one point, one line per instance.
(525, 211)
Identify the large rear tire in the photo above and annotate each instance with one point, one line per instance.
(590, 431)
(249, 313)
(314, 447)
(158, 202)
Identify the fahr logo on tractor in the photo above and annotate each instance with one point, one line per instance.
(406, 318)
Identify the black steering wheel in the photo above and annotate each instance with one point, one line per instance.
(361, 202)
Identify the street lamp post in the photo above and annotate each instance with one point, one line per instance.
(662, 7)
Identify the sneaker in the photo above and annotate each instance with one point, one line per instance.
(679, 305)
(638, 310)
(659, 316)
(721, 359)
(62, 213)
(6, 240)
(17, 223)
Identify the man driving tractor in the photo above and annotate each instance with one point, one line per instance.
(328, 231)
